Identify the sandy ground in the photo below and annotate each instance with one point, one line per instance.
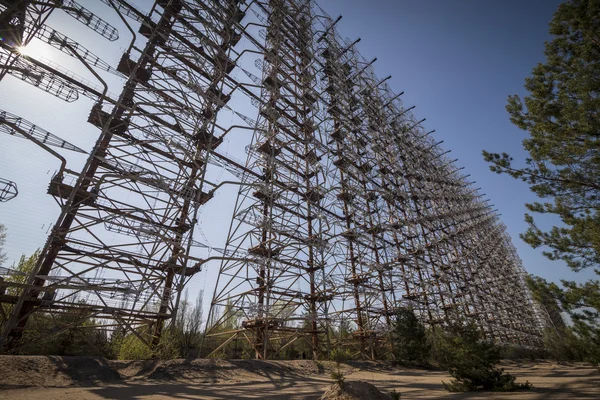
(70, 378)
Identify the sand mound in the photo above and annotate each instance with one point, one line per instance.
(354, 391)
(55, 371)
(216, 370)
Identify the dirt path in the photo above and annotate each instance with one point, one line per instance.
(42, 378)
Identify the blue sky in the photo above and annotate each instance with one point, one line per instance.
(457, 61)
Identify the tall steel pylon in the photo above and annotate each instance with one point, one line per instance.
(144, 179)
(278, 276)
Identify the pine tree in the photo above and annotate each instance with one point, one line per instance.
(409, 339)
(562, 117)
(471, 361)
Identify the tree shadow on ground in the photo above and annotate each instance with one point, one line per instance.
(85, 370)
(306, 389)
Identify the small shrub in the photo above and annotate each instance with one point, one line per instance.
(472, 361)
(132, 348)
(320, 367)
(512, 352)
(338, 377)
(168, 346)
(340, 355)
(494, 380)
(395, 395)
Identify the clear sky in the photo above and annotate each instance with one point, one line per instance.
(456, 60)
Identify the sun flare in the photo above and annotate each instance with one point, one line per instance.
(24, 50)
(33, 49)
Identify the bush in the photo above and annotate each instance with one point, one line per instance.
(132, 348)
(340, 355)
(494, 379)
(471, 361)
(512, 352)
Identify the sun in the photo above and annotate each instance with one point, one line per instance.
(24, 50)
(35, 49)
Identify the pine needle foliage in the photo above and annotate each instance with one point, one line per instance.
(561, 115)
(472, 361)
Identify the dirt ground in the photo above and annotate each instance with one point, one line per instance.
(83, 378)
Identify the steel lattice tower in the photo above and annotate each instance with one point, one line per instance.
(347, 210)
(372, 213)
(144, 179)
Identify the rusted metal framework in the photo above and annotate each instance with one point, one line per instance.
(353, 211)
(8, 190)
(347, 210)
(120, 250)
